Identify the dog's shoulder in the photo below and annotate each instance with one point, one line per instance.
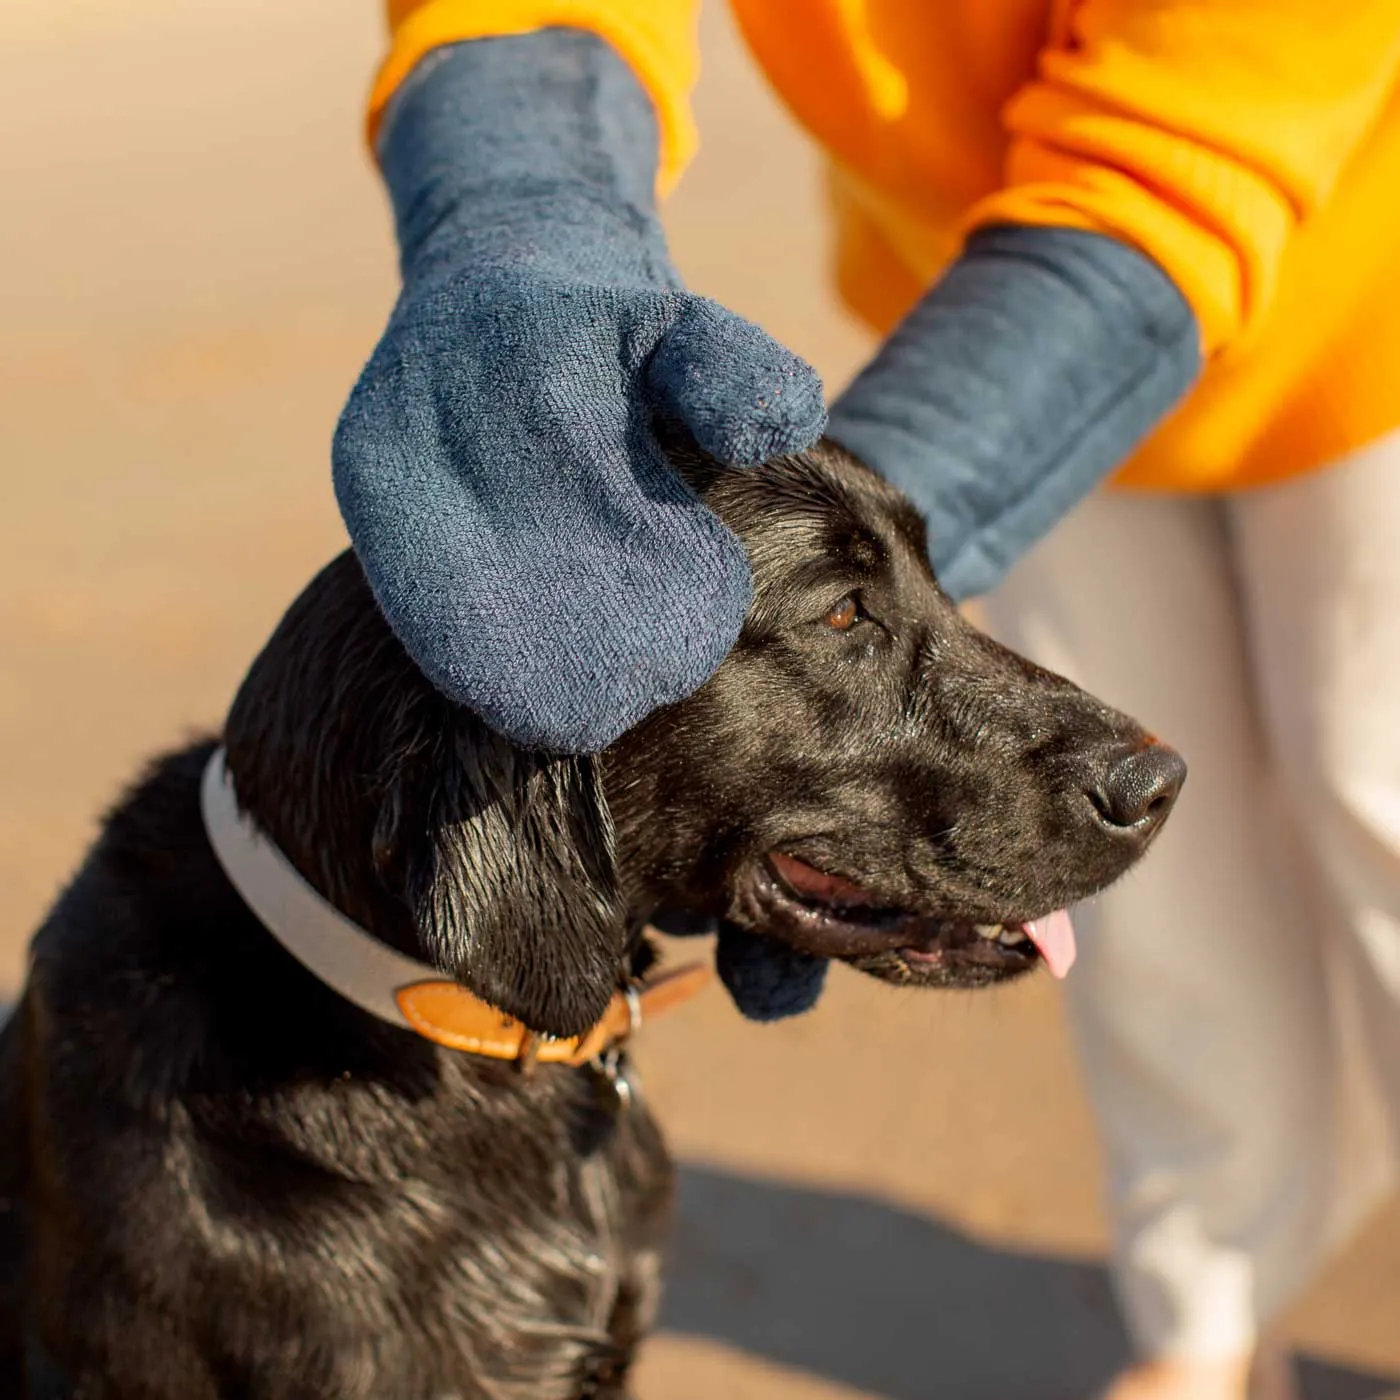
(152, 954)
(139, 944)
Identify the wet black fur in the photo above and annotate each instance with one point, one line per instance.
(219, 1179)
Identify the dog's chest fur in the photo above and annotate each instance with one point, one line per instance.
(312, 1203)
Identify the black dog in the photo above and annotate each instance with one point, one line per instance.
(220, 1178)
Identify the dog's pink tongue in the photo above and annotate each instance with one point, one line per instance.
(1054, 936)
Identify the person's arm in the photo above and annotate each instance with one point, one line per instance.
(497, 465)
(655, 38)
(1158, 165)
(1201, 132)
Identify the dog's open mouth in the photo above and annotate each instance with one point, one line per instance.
(834, 916)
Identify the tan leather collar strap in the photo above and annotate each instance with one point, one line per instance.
(395, 988)
(449, 1014)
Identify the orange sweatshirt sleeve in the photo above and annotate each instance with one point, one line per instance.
(656, 37)
(1201, 131)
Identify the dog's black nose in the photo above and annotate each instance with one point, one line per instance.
(1138, 788)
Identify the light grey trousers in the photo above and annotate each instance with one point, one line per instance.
(1237, 998)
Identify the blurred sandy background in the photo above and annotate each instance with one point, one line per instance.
(895, 1197)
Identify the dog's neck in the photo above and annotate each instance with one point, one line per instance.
(387, 984)
(360, 967)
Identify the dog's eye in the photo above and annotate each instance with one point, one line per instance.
(844, 615)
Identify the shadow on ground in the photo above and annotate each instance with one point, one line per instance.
(896, 1305)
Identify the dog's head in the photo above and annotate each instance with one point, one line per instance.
(867, 777)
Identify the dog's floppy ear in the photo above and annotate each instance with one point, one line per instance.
(420, 823)
(510, 875)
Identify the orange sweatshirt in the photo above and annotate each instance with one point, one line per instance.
(1252, 147)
